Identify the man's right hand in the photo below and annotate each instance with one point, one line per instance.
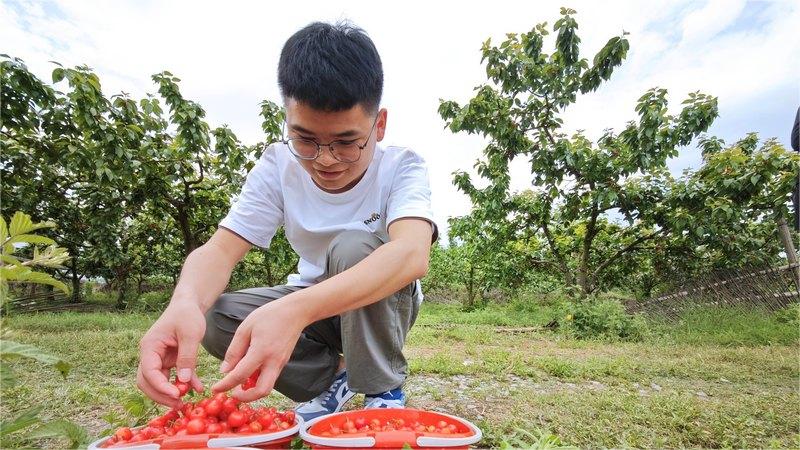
(172, 341)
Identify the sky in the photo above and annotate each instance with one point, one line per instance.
(226, 53)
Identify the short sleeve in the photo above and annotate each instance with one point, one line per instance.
(410, 195)
(258, 211)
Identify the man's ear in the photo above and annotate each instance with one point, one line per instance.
(380, 124)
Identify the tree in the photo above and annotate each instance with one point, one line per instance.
(106, 167)
(577, 182)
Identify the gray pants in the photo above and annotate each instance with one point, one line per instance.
(371, 338)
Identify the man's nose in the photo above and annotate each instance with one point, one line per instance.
(326, 156)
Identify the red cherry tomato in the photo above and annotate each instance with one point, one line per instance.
(251, 380)
(213, 408)
(197, 413)
(230, 405)
(236, 419)
(196, 426)
(183, 388)
(124, 434)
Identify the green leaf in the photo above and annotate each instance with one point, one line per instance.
(3, 230)
(23, 274)
(13, 350)
(95, 82)
(76, 434)
(58, 74)
(32, 239)
(23, 420)
(8, 259)
(21, 223)
(7, 377)
(138, 406)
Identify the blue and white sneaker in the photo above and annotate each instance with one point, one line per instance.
(395, 398)
(328, 402)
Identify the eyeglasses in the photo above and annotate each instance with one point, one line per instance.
(344, 151)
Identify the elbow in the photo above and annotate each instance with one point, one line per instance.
(423, 263)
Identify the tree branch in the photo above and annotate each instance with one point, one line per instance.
(630, 247)
(202, 174)
(553, 248)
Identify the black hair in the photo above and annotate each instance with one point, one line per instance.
(331, 68)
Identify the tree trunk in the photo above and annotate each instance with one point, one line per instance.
(471, 286)
(122, 287)
(189, 241)
(76, 282)
(585, 282)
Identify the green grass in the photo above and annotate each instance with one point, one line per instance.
(715, 379)
(729, 327)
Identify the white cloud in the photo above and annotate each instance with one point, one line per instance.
(226, 54)
(703, 24)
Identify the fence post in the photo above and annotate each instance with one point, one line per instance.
(791, 256)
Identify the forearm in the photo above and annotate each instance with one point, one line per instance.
(386, 270)
(204, 277)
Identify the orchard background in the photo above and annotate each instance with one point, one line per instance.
(532, 292)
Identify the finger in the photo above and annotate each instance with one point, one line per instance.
(197, 385)
(154, 376)
(153, 394)
(236, 350)
(238, 374)
(264, 385)
(187, 357)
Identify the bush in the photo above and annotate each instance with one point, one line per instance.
(154, 301)
(601, 318)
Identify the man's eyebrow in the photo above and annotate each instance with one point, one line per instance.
(344, 134)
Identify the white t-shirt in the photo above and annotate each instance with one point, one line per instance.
(278, 191)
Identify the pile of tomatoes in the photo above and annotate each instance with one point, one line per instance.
(362, 425)
(212, 415)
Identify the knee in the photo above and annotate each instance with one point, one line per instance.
(350, 247)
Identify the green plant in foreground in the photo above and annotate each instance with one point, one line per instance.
(14, 237)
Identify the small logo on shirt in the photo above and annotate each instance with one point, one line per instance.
(372, 218)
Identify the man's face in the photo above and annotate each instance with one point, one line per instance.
(354, 124)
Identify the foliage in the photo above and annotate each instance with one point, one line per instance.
(266, 267)
(13, 237)
(135, 184)
(595, 317)
(578, 182)
(533, 440)
(17, 236)
(154, 301)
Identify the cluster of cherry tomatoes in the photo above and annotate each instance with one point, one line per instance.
(362, 425)
(217, 414)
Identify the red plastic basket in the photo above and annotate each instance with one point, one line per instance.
(279, 439)
(467, 433)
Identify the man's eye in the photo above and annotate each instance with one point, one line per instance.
(345, 142)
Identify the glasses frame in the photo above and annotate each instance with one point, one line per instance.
(330, 145)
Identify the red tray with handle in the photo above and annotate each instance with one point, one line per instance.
(278, 439)
(465, 434)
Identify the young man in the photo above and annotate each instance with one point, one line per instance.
(359, 216)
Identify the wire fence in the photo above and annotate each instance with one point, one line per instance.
(770, 289)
